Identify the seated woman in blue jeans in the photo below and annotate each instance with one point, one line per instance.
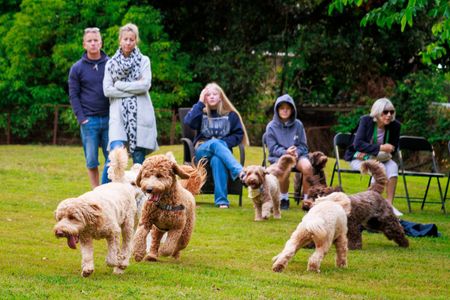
(219, 128)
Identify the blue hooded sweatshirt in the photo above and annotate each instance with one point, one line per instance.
(86, 88)
(280, 136)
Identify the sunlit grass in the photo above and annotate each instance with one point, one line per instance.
(229, 255)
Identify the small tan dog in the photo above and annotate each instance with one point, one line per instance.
(264, 190)
(107, 212)
(170, 207)
(324, 224)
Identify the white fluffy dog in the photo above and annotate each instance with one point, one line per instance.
(107, 212)
(264, 190)
(324, 224)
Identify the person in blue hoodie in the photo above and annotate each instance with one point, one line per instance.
(285, 134)
(89, 104)
(219, 128)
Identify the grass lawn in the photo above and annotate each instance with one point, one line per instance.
(229, 256)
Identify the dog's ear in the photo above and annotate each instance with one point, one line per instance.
(138, 178)
(179, 171)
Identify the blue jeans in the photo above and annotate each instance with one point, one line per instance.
(221, 161)
(138, 157)
(94, 134)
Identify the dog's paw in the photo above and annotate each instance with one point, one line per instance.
(277, 216)
(341, 264)
(258, 219)
(138, 257)
(313, 268)
(118, 270)
(278, 268)
(87, 272)
(111, 261)
(150, 257)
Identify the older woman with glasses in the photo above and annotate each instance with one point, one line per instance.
(127, 81)
(377, 137)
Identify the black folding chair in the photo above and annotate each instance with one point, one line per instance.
(298, 181)
(422, 157)
(448, 179)
(188, 134)
(340, 143)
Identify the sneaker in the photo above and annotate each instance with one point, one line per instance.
(223, 206)
(284, 204)
(397, 212)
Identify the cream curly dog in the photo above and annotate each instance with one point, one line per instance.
(324, 224)
(264, 190)
(104, 213)
(170, 207)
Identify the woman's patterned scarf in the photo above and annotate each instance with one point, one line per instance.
(127, 69)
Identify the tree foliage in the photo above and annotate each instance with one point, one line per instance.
(404, 12)
(44, 39)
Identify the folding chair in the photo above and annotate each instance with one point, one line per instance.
(188, 134)
(413, 145)
(340, 143)
(448, 179)
(298, 175)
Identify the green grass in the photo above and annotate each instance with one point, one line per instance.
(228, 257)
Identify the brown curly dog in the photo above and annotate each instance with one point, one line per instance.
(369, 209)
(170, 207)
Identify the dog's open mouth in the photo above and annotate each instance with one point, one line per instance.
(153, 197)
(72, 239)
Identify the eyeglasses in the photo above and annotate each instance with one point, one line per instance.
(385, 112)
(91, 29)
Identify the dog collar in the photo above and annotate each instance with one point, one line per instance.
(169, 207)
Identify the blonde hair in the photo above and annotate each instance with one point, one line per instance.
(378, 107)
(92, 30)
(129, 27)
(224, 107)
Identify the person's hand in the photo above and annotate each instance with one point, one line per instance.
(292, 150)
(387, 148)
(203, 94)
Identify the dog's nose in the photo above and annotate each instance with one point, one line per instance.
(149, 190)
(59, 233)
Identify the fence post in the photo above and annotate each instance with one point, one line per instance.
(172, 127)
(8, 129)
(55, 124)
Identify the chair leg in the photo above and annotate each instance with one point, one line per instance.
(426, 193)
(406, 192)
(332, 174)
(442, 196)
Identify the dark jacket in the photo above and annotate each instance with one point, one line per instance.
(86, 88)
(280, 136)
(363, 141)
(227, 128)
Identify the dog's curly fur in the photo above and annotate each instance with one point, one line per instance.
(158, 178)
(264, 190)
(104, 213)
(318, 162)
(282, 167)
(369, 209)
(324, 224)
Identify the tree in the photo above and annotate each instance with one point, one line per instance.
(44, 39)
(403, 12)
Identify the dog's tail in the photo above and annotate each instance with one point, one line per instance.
(375, 169)
(283, 166)
(197, 176)
(117, 165)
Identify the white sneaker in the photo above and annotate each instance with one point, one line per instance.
(397, 212)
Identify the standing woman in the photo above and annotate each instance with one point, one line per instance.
(219, 128)
(377, 136)
(127, 80)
